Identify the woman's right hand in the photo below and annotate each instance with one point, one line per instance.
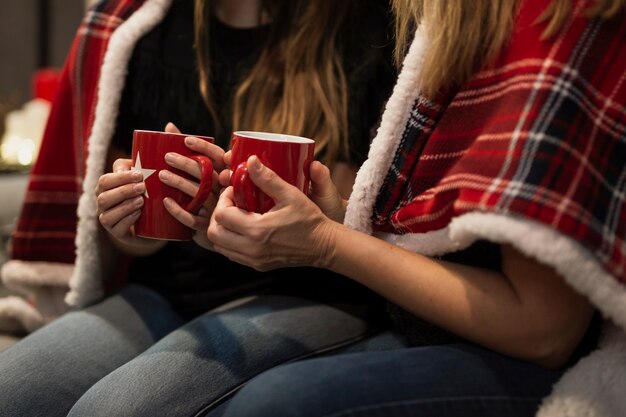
(323, 191)
(296, 232)
(119, 197)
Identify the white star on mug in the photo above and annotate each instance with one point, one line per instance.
(144, 171)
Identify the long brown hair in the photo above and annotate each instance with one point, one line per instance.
(482, 26)
(298, 85)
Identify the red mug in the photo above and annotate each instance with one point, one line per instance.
(149, 149)
(288, 156)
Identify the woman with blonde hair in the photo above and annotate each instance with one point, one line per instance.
(144, 339)
(490, 213)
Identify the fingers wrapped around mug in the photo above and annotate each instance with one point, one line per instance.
(293, 233)
(209, 149)
(187, 186)
(191, 189)
(119, 199)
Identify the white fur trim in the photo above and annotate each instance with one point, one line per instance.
(17, 274)
(383, 148)
(595, 386)
(86, 283)
(42, 283)
(17, 315)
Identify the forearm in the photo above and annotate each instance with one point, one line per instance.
(477, 304)
(429, 289)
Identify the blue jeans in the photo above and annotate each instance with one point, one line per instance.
(444, 381)
(131, 355)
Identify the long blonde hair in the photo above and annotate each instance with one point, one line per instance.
(298, 85)
(482, 27)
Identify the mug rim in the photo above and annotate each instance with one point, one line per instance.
(184, 135)
(273, 137)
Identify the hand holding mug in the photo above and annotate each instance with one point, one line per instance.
(295, 232)
(323, 193)
(172, 198)
(119, 200)
(198, 221)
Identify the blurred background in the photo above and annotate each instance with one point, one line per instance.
(33, 34)
(35, 37)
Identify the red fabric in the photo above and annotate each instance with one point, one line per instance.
(45, 83)
(540, 134)
(46, 228)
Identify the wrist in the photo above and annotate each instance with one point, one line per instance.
(327, 238)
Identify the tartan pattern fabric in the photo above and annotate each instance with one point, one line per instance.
(538, 134)
(46, 229)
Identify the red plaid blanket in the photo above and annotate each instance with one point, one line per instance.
(56, 244)
(539, 135)
(46, 229)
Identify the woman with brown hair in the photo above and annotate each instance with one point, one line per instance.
(319, 69)
(490, 213)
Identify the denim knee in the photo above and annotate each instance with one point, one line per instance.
(112, 397)
(265, 395)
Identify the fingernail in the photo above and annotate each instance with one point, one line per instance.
(190, 140)
(167, 201)
(170, 157)
(164, 174)
(138, 201)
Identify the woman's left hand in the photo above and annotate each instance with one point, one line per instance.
(199, 221)
(294, 232)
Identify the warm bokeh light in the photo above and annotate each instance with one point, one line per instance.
(24, 129)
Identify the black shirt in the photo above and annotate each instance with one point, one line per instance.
(162, 86)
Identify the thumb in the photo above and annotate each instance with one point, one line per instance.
(322, 186)
(324, 193)
(268, 181)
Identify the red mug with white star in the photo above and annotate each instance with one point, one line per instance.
(148, 156)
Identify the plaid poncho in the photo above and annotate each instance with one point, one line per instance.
(56, 241)
(531, 152)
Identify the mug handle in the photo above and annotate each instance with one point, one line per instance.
(206, 183)
(245, 192)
